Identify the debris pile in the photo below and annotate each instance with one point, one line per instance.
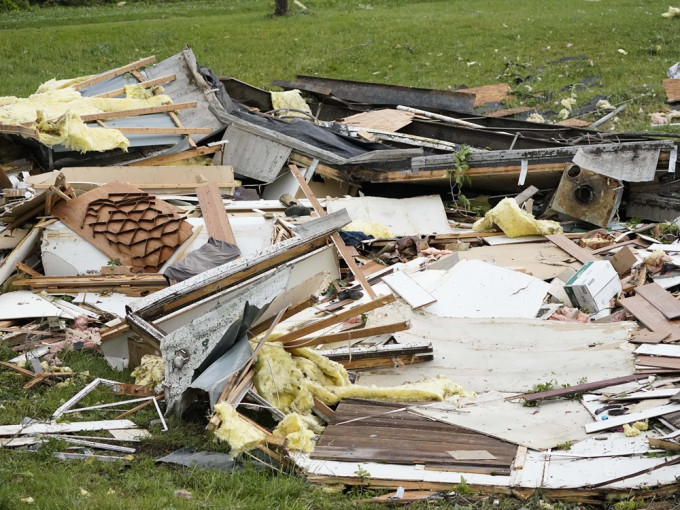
(349, 274)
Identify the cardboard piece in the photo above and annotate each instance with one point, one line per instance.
(623, 260)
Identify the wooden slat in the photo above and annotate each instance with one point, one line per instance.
(348, 335)
(149, 83)
(659, 361)
(660, 299)
(392, 362)
(335, 319)
(579, 388)
(138, 111)
(339, 243)
(581, 254)
(509, 111)
(214, 213)
(115, 72)
(648, 315)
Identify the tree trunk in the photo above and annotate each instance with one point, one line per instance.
(281, 7)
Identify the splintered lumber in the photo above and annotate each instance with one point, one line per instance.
(345, 336)
(181, 156)
(526, 194)
(115, 72)
(660, 299)
(214, 213)
(121, 283)
(138, 111)
(573, 249)
(339, 243)
(580, 388)
(335, 319)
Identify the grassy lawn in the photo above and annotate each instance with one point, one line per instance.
(426, 44)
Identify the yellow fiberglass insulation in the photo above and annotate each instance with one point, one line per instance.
(370, 229)
(241, 435)
(55, 110)
(515, 222)
(150, 372)
(429, 389)
(294, 428)
(293, 100)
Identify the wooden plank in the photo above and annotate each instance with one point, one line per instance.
(658, 361)
(214, 213)
(339, 243)
(335, 319)
(28, 270)
(392, 362)
(660, 299)
(618, 421)
(672, 87)
(408, 289)
(181, 156)
(649, 337)
(115, 72)
(146, 84)
(648, 315)
(581, 254)
(345, 336)
(579, 388)
(526, 194)
(138, 111)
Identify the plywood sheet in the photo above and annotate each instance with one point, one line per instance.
(488, 93)
(115, 218)
(386, 119)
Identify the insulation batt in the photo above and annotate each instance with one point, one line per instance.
(241, 435)
(55, 110)
(290, 99)
(294, 428)
(369, 228)
(515, 222)
(291, 380)
(151, 371)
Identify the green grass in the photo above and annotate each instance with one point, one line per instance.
(426, 44)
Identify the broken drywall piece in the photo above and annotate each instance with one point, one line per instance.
(402, 216)
(476, 289)
(24, 304)
(538, 428)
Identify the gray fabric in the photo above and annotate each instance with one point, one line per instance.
(212, 254)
